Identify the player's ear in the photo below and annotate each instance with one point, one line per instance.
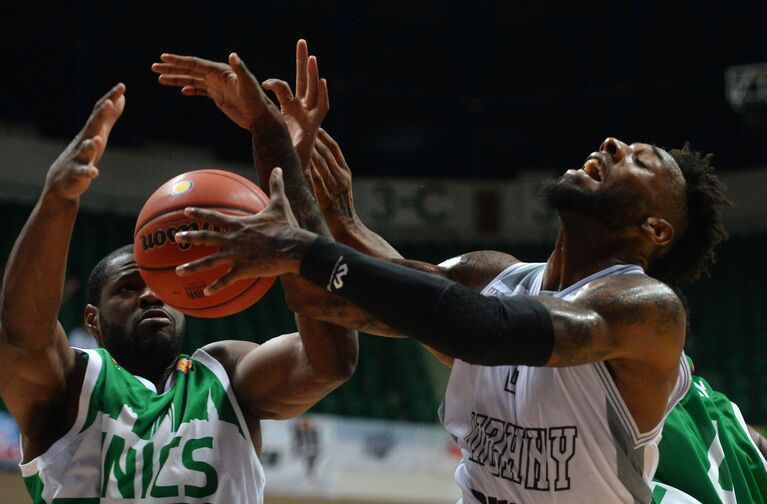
(91, 317)
(659, 231)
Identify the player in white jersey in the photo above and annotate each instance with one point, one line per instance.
(134, 421)
(597, 356)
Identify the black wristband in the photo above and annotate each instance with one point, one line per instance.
(442, 314)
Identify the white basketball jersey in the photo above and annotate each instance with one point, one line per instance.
(533, 435)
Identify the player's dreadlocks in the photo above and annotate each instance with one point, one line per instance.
(706, 196)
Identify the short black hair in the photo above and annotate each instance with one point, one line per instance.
(96, 278)
(706, 197)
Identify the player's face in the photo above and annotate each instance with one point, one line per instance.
(138, 329)
(618, 185)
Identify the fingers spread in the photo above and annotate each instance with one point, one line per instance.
(321, 190)
(333, 147)
(113, 94)
(211, 216)
(223, 282)
(204, 264)
(87, 170)
(240, 68)
(312, 82)
(191, 65)
(180, 80)
(212, 238)
(89, 149)
(280, 88)
(277, 187)
(170, 69)
(302, 56)
(194, 91)
(105, 113)
(323, 98)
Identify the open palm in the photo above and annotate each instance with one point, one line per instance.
(232, 87)
(304, 111)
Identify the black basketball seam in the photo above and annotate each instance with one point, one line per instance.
(176, 209)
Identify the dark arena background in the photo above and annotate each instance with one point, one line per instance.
(450, 115)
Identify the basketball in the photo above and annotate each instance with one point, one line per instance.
(158, 253)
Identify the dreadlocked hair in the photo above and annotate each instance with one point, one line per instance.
(706, 196)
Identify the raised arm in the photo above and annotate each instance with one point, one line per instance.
(616, 318)
(36, 363)
(632, 322)
(332, 182)
(288, 374)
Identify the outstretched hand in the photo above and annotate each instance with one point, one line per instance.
(267, 244)
(304, 111)
(235, 91)
(332, 180)
(72, 172)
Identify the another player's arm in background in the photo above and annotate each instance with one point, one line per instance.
(218, 81)
(287, 374)
(332, 183)
(38, 371)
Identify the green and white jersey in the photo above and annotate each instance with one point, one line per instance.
(707, 454)
(189, 444)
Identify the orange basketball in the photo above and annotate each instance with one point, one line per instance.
(158, 254)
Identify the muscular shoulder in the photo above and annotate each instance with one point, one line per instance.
(229, 352)
(476, 269)
(640, 308)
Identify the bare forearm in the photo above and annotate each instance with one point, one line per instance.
(35, 274)
(272, 147)
(361, 238)
(330, 350)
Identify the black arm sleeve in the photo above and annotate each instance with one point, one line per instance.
(442, 314)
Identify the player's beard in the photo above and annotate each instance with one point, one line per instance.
(144, 355)
(615, 208)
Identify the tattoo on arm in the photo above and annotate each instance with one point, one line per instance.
(342, 208)
(620, 316)
(272, 147)
(574, 342)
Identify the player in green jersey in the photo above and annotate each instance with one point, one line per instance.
(708, 454)
(134, 421)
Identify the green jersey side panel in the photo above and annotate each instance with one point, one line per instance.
(707, 453)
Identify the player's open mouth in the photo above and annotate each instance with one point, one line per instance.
(155, 314)
(593, 169)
